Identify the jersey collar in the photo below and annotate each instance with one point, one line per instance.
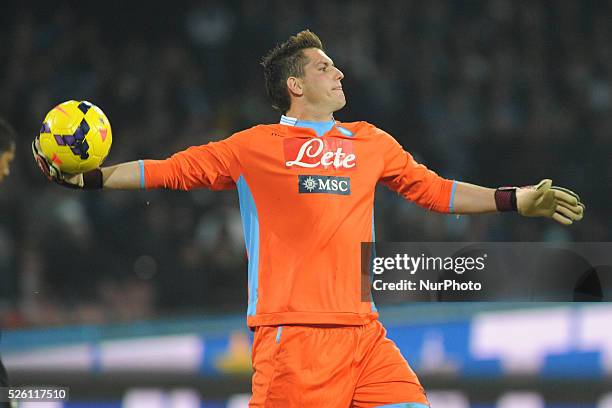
(314, 129)
(320, 128)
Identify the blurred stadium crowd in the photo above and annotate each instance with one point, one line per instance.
(496, 92)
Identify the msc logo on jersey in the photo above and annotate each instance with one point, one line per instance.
(324, 184)
(319, 153)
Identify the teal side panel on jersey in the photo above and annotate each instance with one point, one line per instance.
(250, 227)
(279, 332)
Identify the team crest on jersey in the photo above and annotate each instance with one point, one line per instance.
(317, 152)
(309, 184)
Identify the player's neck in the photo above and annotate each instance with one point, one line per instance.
(308, 115)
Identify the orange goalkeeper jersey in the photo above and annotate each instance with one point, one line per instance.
(307, 204)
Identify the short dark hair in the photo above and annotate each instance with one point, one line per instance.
(284, 61)
(7, 136)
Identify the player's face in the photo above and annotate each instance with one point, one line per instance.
(321, 81)
(6, 158)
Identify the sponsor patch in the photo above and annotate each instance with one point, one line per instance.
(323, 153)
(324, 184)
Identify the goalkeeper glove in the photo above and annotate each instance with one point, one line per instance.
(89, 180)
(541, 200)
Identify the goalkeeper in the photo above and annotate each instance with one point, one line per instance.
(306, 190)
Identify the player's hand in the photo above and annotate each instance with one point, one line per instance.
(52, 172)
(546, 200)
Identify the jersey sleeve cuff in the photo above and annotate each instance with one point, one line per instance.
(142, 173)
(451, 202)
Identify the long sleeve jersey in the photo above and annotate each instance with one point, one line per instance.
(306, 203)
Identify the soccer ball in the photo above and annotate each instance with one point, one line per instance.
(76, 136)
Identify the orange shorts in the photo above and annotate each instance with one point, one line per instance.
(331, 366)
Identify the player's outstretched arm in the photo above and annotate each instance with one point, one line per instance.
(473, 199)
(541, 200)
(121, 176)
(125, 176)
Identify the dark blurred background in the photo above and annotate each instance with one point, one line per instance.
(493, 92)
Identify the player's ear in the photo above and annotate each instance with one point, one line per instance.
(295, 86)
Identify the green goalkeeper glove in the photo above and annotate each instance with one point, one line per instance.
(546, 200)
